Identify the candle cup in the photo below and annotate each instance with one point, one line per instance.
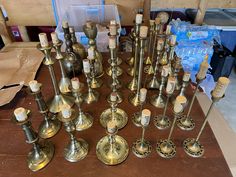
(42, 153)
(76, 149)
(112, 149)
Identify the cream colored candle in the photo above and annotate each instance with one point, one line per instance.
(168, 29)
(20, 114)
(113, 97)
(86, 66)
(143, 94)
(160, 44)
(112, 42)
(66, 111)
(180, 103)
(34, 86)
(89, 24)
(111, 127)
(139, 18)
(145, 118)
(143, 31)
(75, 83)
(172, 40)
(203, 70)
(170, 88)
(65, 24)
(157, 20)
(152, 22)
(113, 30)
(71, 29)
(113, 22)
(43, 40)
(91, 53)
(165, 71)
(186, 76)
(220, 87)
(54, 37)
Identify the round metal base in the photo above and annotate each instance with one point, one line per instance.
(120, 118)
(115, 155)
(96, 83)
(193, 148)
(147, 61)
(141, 149)
(119, 97)
(162, 122)
(130, 71)
(76, 150)
(185, 124)
(153, 83)
(91, 97)
(65, 85)
(148, 69)
(58, 100)
(130, 61)
(158, 101)
(166, 149)
(134, 99)
(119, 61)
(83, 121)
(118, 72)
(136, 119)
(37, 162)
(133, 85)
(48, 129)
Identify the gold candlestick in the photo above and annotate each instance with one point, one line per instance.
(148, 61)
(112, 149)
(95, 82)
(177, 67)
(76, 149)
(118, 71)
(42, 153)
(130, 60)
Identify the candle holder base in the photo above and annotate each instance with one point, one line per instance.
(119, 61)
(49, 128)
(141, 149)
(153, 83)
(91, 97)
(65, 85)
(120, 118)
(166, 149)
(149, 69)
(193, 148)
(96, 83)
(134, 99)
(147, 61)
(83, 121)
(58, 100)
(76, 150)
(158, 101)
(130, 61)
(136, 119)
(130, 71)
(119, 97)
(133, 85)
(37, 161)
(185, 123)
(119, 71)
(162, 122)
(112, 154)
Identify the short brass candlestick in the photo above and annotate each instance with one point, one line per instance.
(158, 100)
(84, 120)
(117, 115)
(58, 100)
(192, 146)
(76, 149)
(95, 82)
(112, 149)
(50, 125)
(42, 152)
(64, 83)
(186, 122)
(163, 121)
(134, 97)
(166, 148)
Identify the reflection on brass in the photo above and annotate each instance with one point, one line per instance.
(95, 82)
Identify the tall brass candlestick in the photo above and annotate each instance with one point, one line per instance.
(58, 99)
(148, 61)
(42, 153)
(192, 146)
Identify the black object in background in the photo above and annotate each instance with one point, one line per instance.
(1, 43)
(222, 62)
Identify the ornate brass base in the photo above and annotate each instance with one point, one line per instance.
(119, 97)
(153, 83)
(59, 100)
(134, 99)
(141, 149)
(133, 85)
(166, 149)
(149, 69)
(65, 85)
(130, 61)
(119, 71)
(136, 119)
(119, 61)
(130, 71)
(120, 118)
(158, 101)
(162, 122)
(38, 161)
(83, 121)
(91, 97)
(49, 128)
(76, 150)
(185, 124)
(115, 154)
(147, 61)
(96, 83)
(193, 148)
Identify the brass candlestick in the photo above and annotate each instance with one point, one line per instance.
(90, 31)
(192, 146)
(95, 82)
(186, 122)
(84, 120)
(112, 149)
(76, 149)
(42, 153)
(148, 61)
(58, 100)
(117, 115)
(130, 60)
(182, 91)
(177, 67)
(50, 125)
(64, 83)
(134, 97)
